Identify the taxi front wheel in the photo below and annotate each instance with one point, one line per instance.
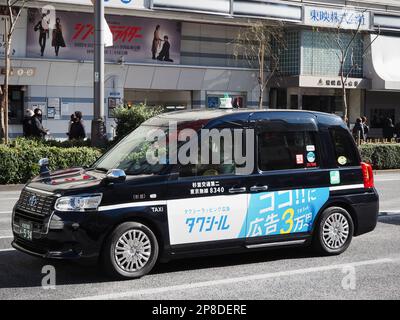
(334, 232)
(131, 251)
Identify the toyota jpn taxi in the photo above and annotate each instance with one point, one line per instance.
(307, 187)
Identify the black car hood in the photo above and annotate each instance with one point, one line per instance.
(77, 180)
(68, 180)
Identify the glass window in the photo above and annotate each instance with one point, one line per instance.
(345, 149)
(220, 159)
(286, 150)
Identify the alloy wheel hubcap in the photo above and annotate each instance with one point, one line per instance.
(335, 231)
(132, 250)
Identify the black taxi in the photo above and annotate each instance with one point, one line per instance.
(286, 178)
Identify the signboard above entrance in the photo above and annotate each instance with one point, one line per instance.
(344, 18)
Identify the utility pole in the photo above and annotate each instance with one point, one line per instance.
(99, 134)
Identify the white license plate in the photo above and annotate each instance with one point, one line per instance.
(25, 230)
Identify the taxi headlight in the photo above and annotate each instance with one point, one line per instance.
(79, 203)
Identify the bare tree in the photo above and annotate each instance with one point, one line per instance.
(347, 44)
(260, 44)
(11, 13)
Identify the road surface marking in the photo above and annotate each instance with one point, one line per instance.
(386, 179)
(150, 291)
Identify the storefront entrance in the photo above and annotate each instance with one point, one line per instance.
(16, 104)
(329, 104)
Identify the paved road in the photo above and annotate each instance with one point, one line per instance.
(370, 269)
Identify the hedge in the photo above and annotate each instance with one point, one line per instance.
(19, 161)
(19, 164)
(381, 156)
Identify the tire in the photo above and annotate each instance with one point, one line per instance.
(339, 229)
(135, 262)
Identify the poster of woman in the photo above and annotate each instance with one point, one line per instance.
(136, 39)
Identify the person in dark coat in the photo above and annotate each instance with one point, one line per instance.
(388, 129)
(164, 53)
(27, 123)
(58, 38)
(38, 131)
(77, 129)
(358, 130)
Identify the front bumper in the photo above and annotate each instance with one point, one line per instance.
(61, 236)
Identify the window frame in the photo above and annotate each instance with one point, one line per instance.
(295, 170)
(356, 154)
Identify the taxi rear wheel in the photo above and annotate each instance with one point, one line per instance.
(131, 251)
(334, 232)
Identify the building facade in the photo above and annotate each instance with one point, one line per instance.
(180, 54)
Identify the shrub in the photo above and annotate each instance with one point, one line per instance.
(19, 163)
(381, 156)
(24, 142)
(128, 118)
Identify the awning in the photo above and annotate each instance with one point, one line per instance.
(382, 64)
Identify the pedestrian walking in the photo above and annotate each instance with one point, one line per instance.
(388, 129)
(77, 129)
(27, 123)
(365, 126)
(38, 131)
(358, 130)
(71, 121)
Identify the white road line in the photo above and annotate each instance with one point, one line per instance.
(213, 283)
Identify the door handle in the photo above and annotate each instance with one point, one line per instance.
(259, 188)
(237, 190)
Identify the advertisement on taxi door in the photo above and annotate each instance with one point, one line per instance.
(244, 216)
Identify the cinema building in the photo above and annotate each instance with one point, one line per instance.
(193, 64)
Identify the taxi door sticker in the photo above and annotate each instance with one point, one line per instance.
(206, 218)
(283, 212)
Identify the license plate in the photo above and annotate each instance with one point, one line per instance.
(25, 230)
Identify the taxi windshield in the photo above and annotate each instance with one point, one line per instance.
(131, 154)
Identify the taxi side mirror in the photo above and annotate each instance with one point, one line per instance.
(115, 176)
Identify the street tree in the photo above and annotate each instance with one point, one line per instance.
(261, 44)
(10, 14)
(348, 47)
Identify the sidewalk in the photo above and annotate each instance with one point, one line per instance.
(11, 187)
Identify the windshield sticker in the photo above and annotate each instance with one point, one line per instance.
(310, 148)
(283, 212)
(335, 177)
(311, 157)
(299, 159)
(342, 160)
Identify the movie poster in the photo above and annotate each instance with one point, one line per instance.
(72, 37)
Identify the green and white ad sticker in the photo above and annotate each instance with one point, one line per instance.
(335, 177)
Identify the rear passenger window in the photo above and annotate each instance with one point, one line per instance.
(345, 149)
(286, 150)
